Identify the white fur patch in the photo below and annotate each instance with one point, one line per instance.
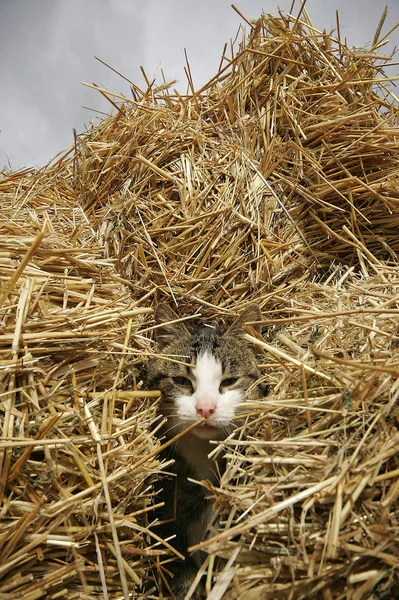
(206, 379)
(208, 375)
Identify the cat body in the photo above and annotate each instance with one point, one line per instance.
(204, 374)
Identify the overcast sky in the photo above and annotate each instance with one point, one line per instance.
(48, 49)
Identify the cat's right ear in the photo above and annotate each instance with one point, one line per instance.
(167, 329)
(251, 313)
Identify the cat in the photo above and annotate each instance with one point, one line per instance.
(205, 376)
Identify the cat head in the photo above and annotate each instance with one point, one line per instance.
(206, 373)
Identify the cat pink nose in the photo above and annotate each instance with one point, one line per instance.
(205, 412)
(205, 406)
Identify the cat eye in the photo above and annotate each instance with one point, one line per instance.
(182, 381)
(228, 382)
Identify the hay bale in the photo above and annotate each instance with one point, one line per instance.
(65, 320)
(276, 183)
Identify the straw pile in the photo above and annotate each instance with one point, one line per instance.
(276, 183)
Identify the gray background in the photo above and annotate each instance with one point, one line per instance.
(48, 48)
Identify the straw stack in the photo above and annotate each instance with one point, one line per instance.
(277, 183)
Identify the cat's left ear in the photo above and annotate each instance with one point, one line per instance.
(251, 313)
(169, 328)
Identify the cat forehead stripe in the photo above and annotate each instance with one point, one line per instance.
(208, 372)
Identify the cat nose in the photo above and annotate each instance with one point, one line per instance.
(205, 412)
(205, 407)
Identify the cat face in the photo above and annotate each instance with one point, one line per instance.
(209, 375)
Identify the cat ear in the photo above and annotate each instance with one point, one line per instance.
(167, 332)
(251, 313)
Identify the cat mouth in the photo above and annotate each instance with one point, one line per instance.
(205, 431)
(206, 428)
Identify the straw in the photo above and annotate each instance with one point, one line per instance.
(276, 183)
